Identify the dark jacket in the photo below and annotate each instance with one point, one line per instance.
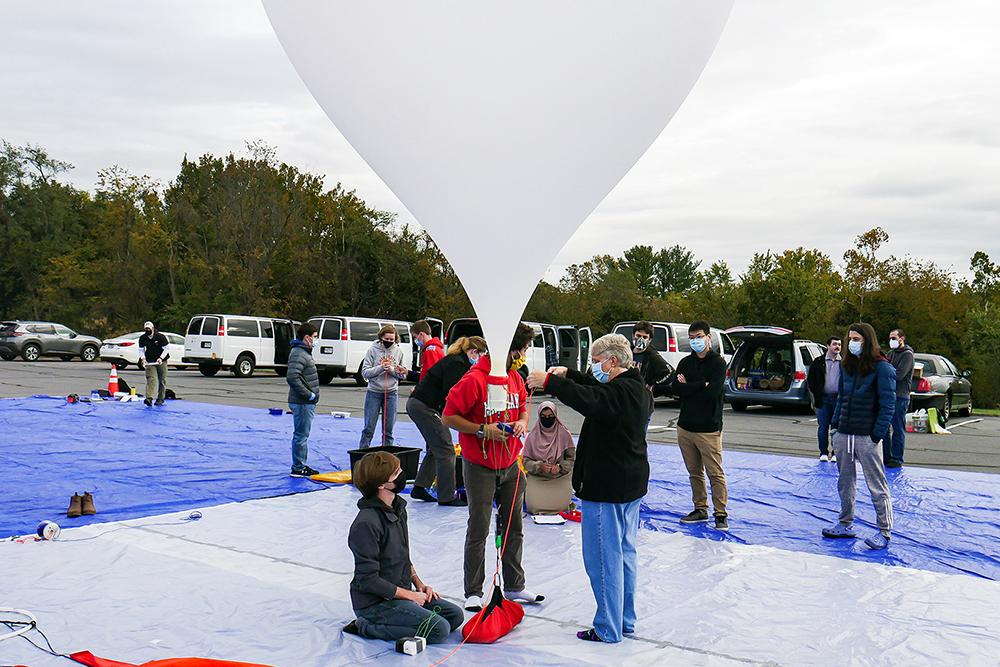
(153, 347)
(701, 405)
(433, 390)
(816, 379)
(865, 404)
(655, 371)
(611, 464)
(301, 377)
(902, 360)
(380, 542)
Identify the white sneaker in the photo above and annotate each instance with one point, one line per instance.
(824, 457)
(474, 603)
(833, 458)
(523, 596)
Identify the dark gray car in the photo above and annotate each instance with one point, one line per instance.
(940, 386)
(31, 340)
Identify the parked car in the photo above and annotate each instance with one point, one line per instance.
(938, 384)
(32, 340)
(671, 340)
(769, 368)
(124, 350)
(553, 345)
(344, 341)
(240, 343)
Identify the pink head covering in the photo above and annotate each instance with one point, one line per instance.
(548, 444)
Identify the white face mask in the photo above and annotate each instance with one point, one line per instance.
(855, 346)
(894, 343)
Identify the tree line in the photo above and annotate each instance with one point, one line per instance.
(250, 234)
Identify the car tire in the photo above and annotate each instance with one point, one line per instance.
(281, 371)
(208, 370)
(89, 353)
(243, 368)
(121, 365)
(31, 352)
(7, 356)
(360, 379)
(325, 377)
(738, 407)
(966, 410)
(945, 413)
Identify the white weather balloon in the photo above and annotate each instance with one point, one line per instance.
(500, 125)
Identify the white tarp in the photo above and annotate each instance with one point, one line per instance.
(266, 581)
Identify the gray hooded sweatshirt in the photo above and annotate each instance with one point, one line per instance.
(371, 368)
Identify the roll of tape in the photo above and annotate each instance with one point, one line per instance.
(48, 530)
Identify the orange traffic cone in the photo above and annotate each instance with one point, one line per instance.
(113, 380)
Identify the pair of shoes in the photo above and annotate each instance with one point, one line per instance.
(697, 516)
(159, 401)
(839, 530)
(721, 523)
(352, 628)
(824, 457)
(148, 402)
(474, 603)
(81, 506)
(454, 502)
(523, 596)
(893, 464)
(305, 472)
(589, 635)
(420, 493)
(877, 541)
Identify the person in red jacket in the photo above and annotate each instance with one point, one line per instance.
(491, 469)
(431, 348)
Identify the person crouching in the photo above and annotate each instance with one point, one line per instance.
(389, 599)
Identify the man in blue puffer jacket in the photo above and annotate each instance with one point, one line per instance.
(865, 405)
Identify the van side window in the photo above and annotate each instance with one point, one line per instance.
(211, 327)
(364, 331)
(727, 344)
(659, 338)
(404, 335)
(331, 329)
(683, 343)
(243, 328)
(539, 342)
(806, 355)
(266, 329)
(195, 327)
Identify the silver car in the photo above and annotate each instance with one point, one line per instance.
(31, 340)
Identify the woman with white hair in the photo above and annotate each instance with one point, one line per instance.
(610, 476)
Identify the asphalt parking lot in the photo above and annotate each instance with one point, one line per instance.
(974, 444)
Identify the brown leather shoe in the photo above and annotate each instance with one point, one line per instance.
(87, 505)
(75, 507)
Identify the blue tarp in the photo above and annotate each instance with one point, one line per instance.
(140, 461)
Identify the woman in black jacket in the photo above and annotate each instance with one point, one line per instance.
(610, 476)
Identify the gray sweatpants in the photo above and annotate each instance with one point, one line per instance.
(851, 448)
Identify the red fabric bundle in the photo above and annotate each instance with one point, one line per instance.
(88, 658)
(494, 621)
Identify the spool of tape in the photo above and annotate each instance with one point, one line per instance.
(195, 515)
(48, 530)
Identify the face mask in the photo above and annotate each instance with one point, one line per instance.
(547, 422)
(699, 345)
(640, 343)
(397, 484)
(419, 342)
(516, 362)
(894, 343)
(387, 343)
(149, 332)
(855, 346)
(599, 373)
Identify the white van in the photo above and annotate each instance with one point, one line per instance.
(240, 343)
(344, 341)
(671, 340)
(553, 345)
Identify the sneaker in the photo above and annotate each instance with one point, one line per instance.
(159, 401)
(893, 464)
(454, 502)
(877, 541)
(839, 530)
(352, 628)
(75, 507)
(420, 493)
(305, 472)
(696, 516)
(589, 635)
(525, 596)
(148, 402)
(833, 458)
(87, 505)
(474, 603)
(823, 457)
(721, 523)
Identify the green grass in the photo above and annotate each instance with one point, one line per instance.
(985, 412)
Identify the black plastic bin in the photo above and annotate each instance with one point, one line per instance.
(409, 458)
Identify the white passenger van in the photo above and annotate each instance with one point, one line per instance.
(239, 343)
(343, 343)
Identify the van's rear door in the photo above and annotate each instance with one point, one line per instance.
(586, 340)
(331, 348)
(569, 347)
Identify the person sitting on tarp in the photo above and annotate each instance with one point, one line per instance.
(549, 453)
(389, 599)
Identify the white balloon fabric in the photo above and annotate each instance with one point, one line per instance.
(500, 125)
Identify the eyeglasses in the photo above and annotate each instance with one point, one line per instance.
(697, 337)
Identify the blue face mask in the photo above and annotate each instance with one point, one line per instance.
(599, 373)
(473, 360)
(699, 345)
(855, 346)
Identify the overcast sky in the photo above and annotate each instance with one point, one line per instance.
(813, 122)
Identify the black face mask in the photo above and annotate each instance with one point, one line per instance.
(547, 422)
(387, 343)
(397, 485)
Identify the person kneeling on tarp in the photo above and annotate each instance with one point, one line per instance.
(389, 599)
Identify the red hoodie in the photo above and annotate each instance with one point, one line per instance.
(467, 399)
(431, 353)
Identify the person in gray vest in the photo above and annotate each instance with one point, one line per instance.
(303, 394)
(900, 355)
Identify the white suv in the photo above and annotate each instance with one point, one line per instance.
(240, 343)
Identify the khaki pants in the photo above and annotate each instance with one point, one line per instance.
(156, 381)
(702, 454)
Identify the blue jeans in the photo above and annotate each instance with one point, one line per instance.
(892, 448)
(375, 402)
(302, 419)
(824, 414)
(394, 619)
(609, 532)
